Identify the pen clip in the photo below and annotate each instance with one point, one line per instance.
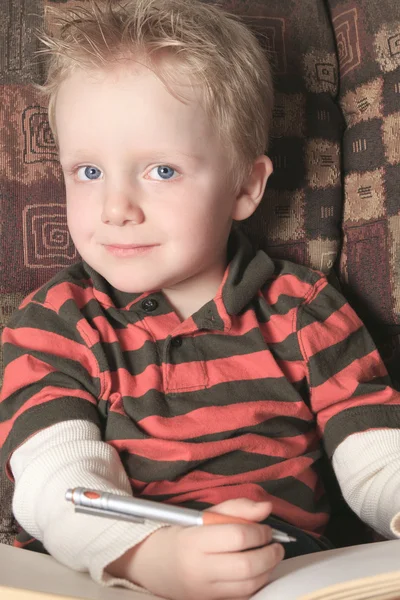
(107, 513)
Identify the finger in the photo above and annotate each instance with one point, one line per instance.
(241, 566)
(214, 539)
(243, 590)
(244, 508)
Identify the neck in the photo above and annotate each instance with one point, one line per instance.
(189, 296)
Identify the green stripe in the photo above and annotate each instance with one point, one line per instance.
(44, 319)
(299, 272)
(288, 349)
(358, 419)
(223, 394)
(215, 346)
(39, 417)
(378, 384)
(15, 401)
(74, 274)
(264, 311)
(297, 493)
(274, 428)
(325, 304)
(111, 358)
(330, 361)
(234, 463)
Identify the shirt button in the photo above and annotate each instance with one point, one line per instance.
(149, 304)
(176, 342)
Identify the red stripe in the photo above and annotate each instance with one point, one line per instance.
(279, 327)
(336, 328)
(197, 374)
(137, 385)
(293, 370)
(215, 419)
(23, 371)
(52, 343)
(219, 303)
(256, 365)
(289, 285)
(201, 480)
(58, 295)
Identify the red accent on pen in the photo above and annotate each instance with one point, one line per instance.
(91, 495)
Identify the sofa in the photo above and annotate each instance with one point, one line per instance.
(333, 202)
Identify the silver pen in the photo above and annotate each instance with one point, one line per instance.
(127, 508)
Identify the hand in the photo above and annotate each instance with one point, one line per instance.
(210, 562)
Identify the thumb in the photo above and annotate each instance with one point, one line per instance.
(244, 508)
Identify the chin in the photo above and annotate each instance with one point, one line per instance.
(124, 286)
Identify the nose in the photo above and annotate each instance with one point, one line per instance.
(119, 208)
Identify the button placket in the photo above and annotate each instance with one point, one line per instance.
(183, 368)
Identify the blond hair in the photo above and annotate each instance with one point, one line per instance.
(213, 49)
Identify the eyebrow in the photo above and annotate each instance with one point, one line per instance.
(82, 156)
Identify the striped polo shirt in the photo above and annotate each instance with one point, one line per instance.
(232, 402)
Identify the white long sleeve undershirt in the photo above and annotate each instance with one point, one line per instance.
(367, 466)
(68, 455)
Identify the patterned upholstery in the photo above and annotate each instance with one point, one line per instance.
(333, 201)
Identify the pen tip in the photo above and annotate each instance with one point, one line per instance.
(68, 495)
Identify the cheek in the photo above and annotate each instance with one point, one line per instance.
(80, 219)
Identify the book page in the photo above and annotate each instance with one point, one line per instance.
(27, 575)
(379, 587)
(296, 577)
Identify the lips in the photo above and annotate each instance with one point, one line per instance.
(124, 250)
(129, 246)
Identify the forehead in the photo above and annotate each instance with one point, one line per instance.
(129, 98)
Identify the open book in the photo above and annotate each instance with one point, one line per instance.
(355, 573)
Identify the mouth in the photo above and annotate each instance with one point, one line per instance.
(129, 249)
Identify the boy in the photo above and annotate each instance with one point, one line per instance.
(174, 362)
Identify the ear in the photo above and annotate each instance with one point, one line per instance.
(252, 190)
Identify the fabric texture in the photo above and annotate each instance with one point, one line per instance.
(333, 201)
(231, 402)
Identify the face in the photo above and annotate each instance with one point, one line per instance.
(149, 204)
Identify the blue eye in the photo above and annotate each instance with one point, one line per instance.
(162, 173)
(89, 173)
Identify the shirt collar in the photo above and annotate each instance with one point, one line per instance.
(247, 272)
